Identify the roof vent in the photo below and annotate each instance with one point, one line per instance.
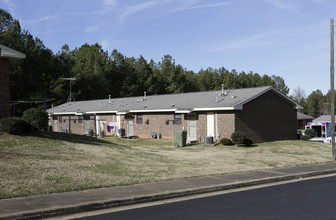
(109, 99)
(145, 93)
(233, 97)
(217, 94)
(222, 89)
(145, 106)
(173, 105)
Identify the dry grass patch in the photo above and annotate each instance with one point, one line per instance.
(54, 162)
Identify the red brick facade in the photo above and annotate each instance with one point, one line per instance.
(5, 110)
(267, 118)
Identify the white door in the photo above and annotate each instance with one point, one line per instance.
(87, 126)
(191, 129)
(55, 125)
(130, 128)
(210, 124)
(118, 123)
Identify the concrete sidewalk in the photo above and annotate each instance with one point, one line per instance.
(51, 205)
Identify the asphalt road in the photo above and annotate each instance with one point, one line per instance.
(308, 199)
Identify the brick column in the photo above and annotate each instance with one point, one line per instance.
(5, 109)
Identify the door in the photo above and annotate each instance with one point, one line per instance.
(55, 124)
(130, 128)
(210, 124)
(86, 126)
(191, 129)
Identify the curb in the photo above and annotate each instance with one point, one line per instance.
(94, 206)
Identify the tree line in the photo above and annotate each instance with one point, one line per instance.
(315, 104)
(100, 74)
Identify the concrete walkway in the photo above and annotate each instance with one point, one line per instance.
(51, 205)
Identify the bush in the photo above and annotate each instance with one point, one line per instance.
(15, 125)
(226, 141)
(248, 142)
(238, 137)
(38, 118)
(310, 133)
(304, 137)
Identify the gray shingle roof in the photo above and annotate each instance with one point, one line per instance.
(323, 118)
(233, 99)
(301, 116)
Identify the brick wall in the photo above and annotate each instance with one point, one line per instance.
(151, 122)
(5, 110)
(267, 118)
(226, 124)
(156, 123)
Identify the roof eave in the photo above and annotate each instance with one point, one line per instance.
(6, 52)
(152, 110)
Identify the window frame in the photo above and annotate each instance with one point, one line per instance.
(139, 119)
(178, 120)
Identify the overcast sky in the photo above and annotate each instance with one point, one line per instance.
(288, 38)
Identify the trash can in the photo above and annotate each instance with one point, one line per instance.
(121, 132)
(181, 138)
(209, 140)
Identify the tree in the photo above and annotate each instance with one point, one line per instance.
(30, 77)
(279, 84)
(299, 96)
(314, 103)
(90, 62)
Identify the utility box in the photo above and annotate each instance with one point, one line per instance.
(181, 138)
(89, 132)
(209, 140)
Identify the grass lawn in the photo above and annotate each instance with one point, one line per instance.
(57, 162)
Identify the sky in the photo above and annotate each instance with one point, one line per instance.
(287, 38)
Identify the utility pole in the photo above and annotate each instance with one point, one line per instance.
(70, 95)
(332, 89)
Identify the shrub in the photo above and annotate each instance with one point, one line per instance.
(226, 141)
(37, 118)
(15, 125)
(310, 133)
(238, 137)
(248, 142)
(304, 137)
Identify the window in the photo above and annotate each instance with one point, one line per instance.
(129, 116)
(60, 119)
(139, 119)
(86, 117)
(80, 119)
(178, 119)
(54, 117)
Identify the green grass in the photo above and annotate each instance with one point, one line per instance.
(58, 162)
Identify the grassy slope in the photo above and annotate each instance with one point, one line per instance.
(57, 162)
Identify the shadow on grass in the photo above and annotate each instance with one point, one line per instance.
(247, 146)
(73, 138)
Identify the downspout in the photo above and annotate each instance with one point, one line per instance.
(95, 126)
(217, 135)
